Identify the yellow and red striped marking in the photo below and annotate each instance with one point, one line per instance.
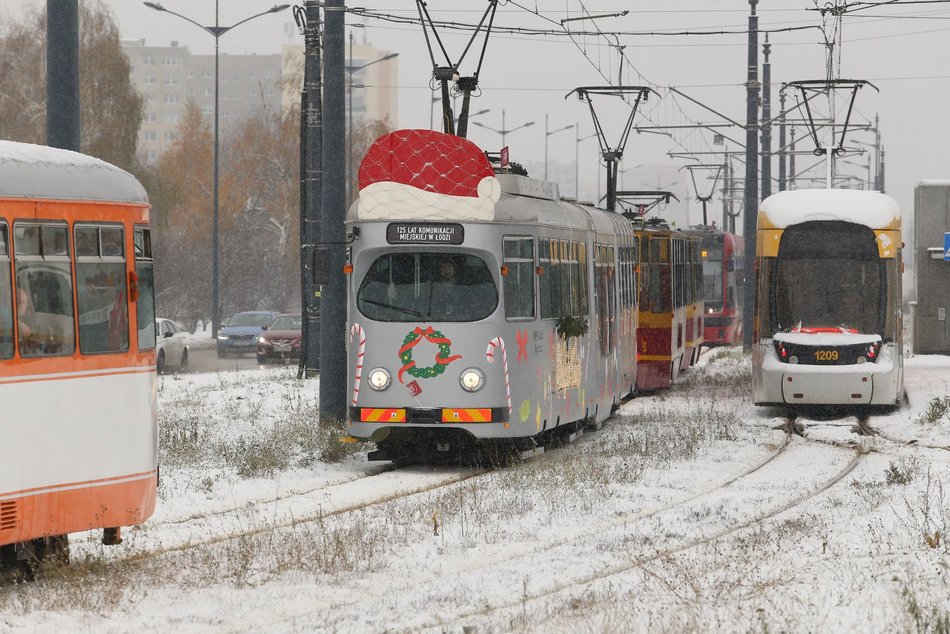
(376, 415)
(466, 415)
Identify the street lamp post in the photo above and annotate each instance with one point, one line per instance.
(577, 159)
(216, 32)
(546, 135)
(504, 132)
(350, 69)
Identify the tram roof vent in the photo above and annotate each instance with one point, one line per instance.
(527, 186)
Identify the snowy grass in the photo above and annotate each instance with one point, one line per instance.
(868, 555)
(254, 424)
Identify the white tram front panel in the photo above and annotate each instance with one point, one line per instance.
(828, 300)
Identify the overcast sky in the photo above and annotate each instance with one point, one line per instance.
(904, 50)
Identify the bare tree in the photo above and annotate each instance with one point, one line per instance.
(111, 109)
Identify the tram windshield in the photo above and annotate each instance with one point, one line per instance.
(828, 274)
(712, 271)
(427, 287)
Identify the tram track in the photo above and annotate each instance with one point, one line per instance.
(387, 477)
(628, 566)
(518, 552)
(315, 516)
(248, 507)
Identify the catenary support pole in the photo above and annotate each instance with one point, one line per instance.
(766, 120)
(791, 158)
(726, 183)
(751, 177)
(62, 77)
(782, 152)
(333, 300)
(312, 194)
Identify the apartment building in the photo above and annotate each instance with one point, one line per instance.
(170, 76)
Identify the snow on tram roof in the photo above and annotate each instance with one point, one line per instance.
(872, 209)
(38, 171)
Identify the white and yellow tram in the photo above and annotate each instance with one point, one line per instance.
(828, 324)
(78, 436)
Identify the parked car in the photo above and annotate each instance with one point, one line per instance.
(171, 347)
(281, 340)
(240, 334)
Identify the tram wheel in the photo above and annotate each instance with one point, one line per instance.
(53, 551)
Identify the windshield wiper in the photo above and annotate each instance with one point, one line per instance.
(401, 309)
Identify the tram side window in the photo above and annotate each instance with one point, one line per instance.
(697, 274)
(550, 280)
(44, 299)
(582, 307)
(628, 270)
(661, 274)
(101, 289)
(564, 283)
(145, 304)
(519, 283)
(605, 296)
(6, 297)
(567, 265)
(644, 299)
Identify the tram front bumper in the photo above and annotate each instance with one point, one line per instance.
(489, 422)
(779, 383)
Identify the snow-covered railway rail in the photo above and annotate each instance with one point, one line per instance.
(517, 557)
(567, 585)
(155, 540)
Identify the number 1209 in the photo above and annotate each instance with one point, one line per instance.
(826, 355)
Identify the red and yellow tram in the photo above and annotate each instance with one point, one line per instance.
(722, 261)
(670, 318)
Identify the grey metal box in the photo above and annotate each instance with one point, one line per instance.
(931, 220)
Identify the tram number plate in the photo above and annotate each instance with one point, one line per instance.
(826, 355)
(425, 233)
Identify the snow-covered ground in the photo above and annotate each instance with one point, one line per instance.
(691, 510)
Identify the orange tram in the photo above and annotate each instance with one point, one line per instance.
(77, 353)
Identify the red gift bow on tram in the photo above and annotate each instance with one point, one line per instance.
(426, 334)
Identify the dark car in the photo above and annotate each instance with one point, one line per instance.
(281, 340)
(240, 334)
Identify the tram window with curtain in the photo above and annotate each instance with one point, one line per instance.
(582, 273)
(101, 289)
(145, 288)
(519, 283)
(44, 289)
(567, 262)
(551, 280)
(6, 296)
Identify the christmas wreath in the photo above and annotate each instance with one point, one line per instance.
(442, 358)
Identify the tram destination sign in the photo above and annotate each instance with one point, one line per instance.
(424, 233)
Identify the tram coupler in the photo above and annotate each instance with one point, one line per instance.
(111, 536)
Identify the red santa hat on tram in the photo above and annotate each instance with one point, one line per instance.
(426, 175)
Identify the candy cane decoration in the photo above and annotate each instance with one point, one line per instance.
(490, 356)
(357, 330)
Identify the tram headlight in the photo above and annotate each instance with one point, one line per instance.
(262, 340)
(472, 379)
(379, 379)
